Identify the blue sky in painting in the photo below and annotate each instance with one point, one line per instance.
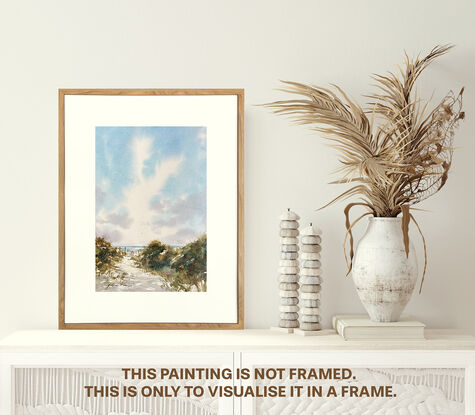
(150, 184)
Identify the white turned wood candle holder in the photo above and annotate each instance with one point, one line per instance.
(310, 281)
(288, 272)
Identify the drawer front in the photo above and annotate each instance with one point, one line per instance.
(52, 383)
(422, 382)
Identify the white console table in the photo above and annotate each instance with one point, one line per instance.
(221, 339)
(23, 355)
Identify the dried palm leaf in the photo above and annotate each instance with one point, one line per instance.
(399, 156)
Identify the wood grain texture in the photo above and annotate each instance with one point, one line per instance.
(238, 92)
(240, 208)
(62, 325)
(61, 214)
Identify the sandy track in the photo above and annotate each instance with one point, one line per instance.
(137, 279)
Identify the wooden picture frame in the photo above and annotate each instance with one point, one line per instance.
(69, 97)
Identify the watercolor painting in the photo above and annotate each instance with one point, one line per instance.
(150, 209)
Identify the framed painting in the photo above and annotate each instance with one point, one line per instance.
(151, 209)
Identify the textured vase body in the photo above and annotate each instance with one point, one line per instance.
(384, 277)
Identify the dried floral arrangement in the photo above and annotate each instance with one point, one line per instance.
(395, 152)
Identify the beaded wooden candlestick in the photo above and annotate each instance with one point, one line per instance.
(288, 272)
(310, 281)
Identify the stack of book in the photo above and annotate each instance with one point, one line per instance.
(360, 327)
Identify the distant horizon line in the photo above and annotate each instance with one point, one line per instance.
(145, 245)
(139, 246)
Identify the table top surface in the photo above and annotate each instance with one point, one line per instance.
(251, 339)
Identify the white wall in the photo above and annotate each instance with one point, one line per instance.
(51, 44)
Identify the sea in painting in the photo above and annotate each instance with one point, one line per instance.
(151, 209)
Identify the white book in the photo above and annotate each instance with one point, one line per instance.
(360, 327)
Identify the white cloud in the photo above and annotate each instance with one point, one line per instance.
(110, 233)
(141, 147)
(202, 134)
(138, 196)
(187, 209)
(121, 219)
(184, 236)
(100, 196)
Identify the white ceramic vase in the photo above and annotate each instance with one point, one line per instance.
(383, 275)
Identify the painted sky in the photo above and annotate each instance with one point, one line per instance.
(150, 184)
